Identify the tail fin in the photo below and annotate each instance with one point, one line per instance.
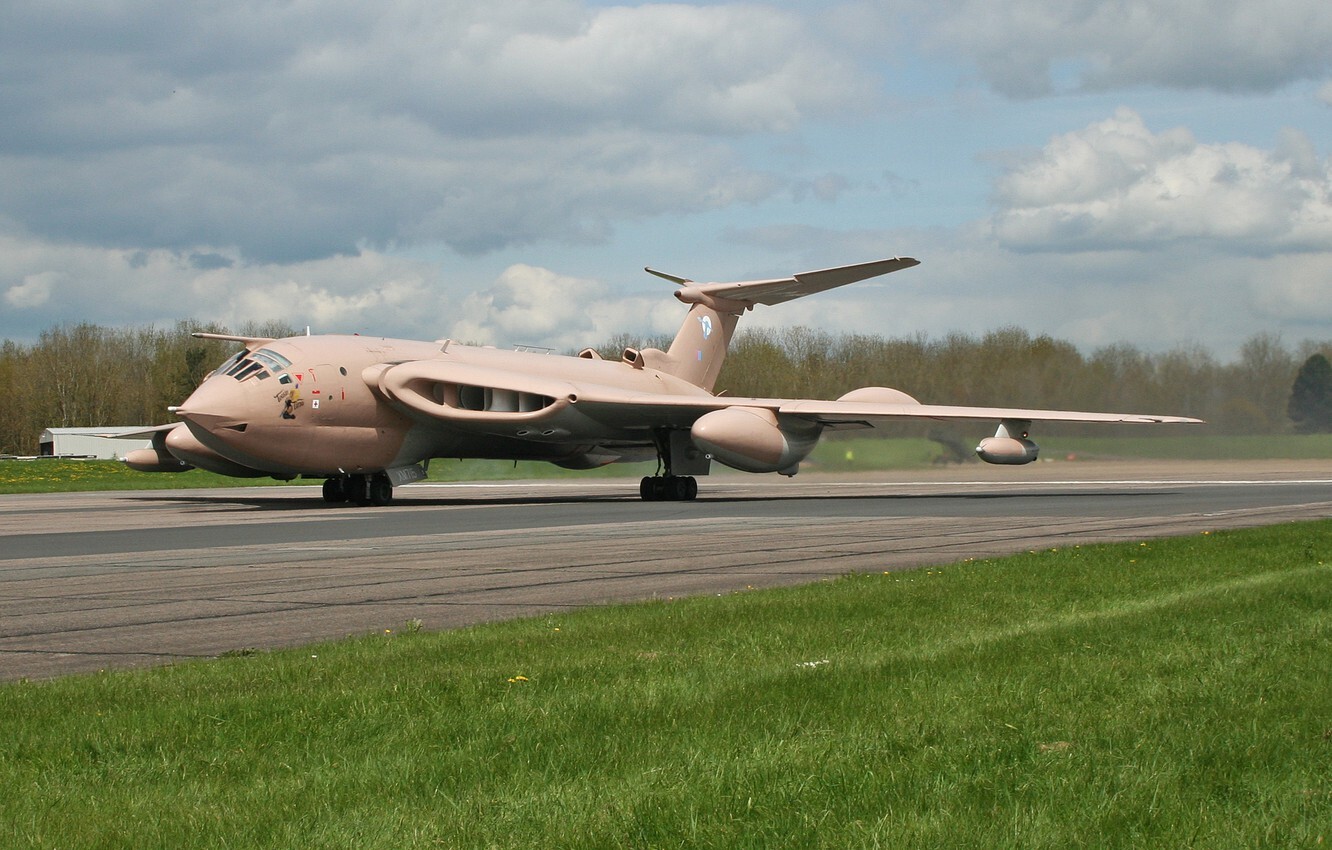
(699, 348)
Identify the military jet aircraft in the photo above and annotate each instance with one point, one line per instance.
(366, 414)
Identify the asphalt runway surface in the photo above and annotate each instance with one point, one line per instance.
(93, 581)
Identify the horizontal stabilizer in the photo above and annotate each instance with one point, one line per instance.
(784, 289)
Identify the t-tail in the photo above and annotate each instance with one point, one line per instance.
(699, 349)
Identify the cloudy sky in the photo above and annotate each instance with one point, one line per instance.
(1147, 171)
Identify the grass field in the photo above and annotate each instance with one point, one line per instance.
(1170, 693)
(831, 455)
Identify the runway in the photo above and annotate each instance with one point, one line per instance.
(93, 581)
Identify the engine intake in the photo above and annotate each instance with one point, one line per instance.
(460, 392)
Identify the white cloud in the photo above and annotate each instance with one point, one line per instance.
(528, 305)
(47, 283)
(34, 291)
(1116, 184)
(1028, 48)
(302, 131)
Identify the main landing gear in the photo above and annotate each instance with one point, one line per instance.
(674, 451)
(362, 489)
(668, 488)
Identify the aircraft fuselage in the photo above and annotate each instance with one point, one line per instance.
(317, 406)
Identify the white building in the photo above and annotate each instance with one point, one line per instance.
(85, 442)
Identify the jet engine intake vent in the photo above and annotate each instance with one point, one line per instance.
(490, 399)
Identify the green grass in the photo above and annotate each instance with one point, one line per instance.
(858, 454)
(51, 475)
(1170, 693)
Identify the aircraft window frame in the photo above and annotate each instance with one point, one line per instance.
(252, 368)
(261, 364)
(274, 361)
(226, 366)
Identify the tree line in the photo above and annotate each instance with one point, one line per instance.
(86, 375)
(1011, 368)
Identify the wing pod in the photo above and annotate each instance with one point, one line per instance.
(155, 460)
(1009, 445)
(754, 439)
(175, 449)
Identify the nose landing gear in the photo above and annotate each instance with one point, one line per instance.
(374, 489)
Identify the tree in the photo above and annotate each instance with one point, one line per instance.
(1310, 405)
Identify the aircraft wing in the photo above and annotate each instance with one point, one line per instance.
(630, 409)
(143, 433)
(516, 402)
(834, 412)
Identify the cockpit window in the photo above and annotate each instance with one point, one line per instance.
(274, 361)
(259, 364)
(248, 368)
(230, 361)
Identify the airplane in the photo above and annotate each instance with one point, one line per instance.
(367, 414)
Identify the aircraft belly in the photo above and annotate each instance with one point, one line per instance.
(323, 450)
(332, 448)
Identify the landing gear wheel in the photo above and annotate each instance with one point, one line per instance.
(365, 490)
(668, 488)
(380, 490)
(335, 490)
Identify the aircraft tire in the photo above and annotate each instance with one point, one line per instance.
(335, 490)
(679, 488)
(668, 488)
(380, 490)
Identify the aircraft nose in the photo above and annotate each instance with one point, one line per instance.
(219, 402)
